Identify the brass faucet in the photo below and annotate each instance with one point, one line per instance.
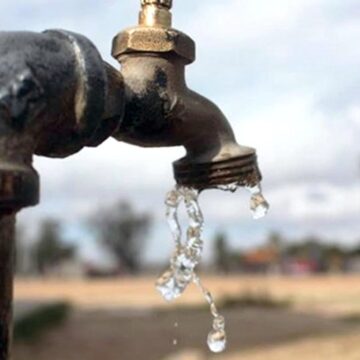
(160, 110)
(57, 96)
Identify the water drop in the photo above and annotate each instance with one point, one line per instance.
(173, 283)
(219, 323)
(217, 341)
(258, 205)
(230, 187)
(217, 337)
(167, 286)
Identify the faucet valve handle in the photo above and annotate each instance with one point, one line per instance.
(164, 3)
(155, 13)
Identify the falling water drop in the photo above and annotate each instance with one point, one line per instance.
(217, 337)
(230, 187)
(258, 205)
(217, 341)
(167, 286)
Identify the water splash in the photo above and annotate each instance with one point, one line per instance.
(258, 205)
(187, 255)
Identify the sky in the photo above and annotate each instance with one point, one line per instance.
(286, 74)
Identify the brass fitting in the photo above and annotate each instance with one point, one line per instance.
(161, 110)
(155, 13)
(154, 34)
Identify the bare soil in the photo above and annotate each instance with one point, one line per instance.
(126, 320)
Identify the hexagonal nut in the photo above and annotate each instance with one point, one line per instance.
(154, 40)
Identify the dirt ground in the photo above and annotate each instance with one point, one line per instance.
(330, 294)
(127, 320)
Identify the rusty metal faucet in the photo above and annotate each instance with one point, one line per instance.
(58, 96)
(160, 110)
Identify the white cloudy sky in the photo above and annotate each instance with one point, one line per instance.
(286, 73)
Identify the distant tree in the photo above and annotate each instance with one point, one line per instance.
(307, 248)
(276, 241)
(334, 258)
(122, 231)
(50, 250)
(355, 251)
(222, 253)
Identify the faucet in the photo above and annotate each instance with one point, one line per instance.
(57, 96)
(160, 110)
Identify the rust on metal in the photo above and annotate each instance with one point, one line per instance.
(19, 188)
(242, 170)
(144, 39)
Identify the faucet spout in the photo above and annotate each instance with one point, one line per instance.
(160, 110)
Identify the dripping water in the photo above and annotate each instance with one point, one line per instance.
(258, 205)
(187, 255)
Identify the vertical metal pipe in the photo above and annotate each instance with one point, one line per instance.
(7, 248)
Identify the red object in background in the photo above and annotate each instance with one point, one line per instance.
(301, 267)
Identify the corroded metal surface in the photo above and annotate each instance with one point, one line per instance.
(154, 34)
(7, 224)
(56, 96)
(19, 187)
(154, 40)
(243, 171)
(161, 110)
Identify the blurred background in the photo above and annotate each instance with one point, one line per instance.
(286, 73)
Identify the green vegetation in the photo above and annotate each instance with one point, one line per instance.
(244, 300)
(121, 230)
(254, 299)
(352, 318)
(50, 251)
(30, 327)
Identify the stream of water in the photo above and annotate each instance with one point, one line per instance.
(187, 255)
